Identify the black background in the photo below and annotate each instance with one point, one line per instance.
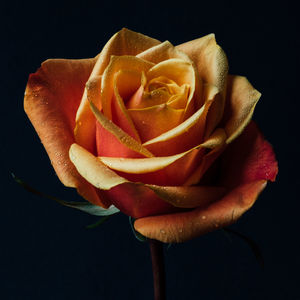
(47, 253)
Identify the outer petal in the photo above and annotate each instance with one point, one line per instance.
(241, 100)
(250, 157)
(244, 167)
(180, 227)
(52, 97)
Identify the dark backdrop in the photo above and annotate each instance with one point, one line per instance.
(47, 253)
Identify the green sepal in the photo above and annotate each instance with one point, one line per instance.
(137, 235)
(87, 207)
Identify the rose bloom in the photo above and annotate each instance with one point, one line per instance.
(161, 132)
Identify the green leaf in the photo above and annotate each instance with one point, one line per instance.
(137, 235)
(251, 243)
(87, 207)
(98, 223)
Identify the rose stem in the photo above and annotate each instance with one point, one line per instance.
(158, 268)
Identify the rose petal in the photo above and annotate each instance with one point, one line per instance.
(180, 227)
(52, 97)
(241, 101)
(133, 199)
(152, 164)
(188, 196)
(209, 58)
(85, 129)
(249, 158)
(90, 168)
(119, 134)
(162, 116)
(182, 72)
(124, 42)
(116, 64)
(120, 114)
(162, 52)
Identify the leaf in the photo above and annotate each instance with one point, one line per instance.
(83, 206)
(98, 223)
(137, 235)
(251, 243)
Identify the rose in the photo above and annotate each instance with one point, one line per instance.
(161, 132)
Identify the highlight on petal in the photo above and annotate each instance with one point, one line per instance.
(180, 227)
(188, 196)
(90, 168)
(241, 101)
(116, 64)
(121, 136)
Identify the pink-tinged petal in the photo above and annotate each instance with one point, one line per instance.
(180, 227)
(116, 64)
(249, 158)
(241, 100)
(113, 135)
(52, 97)
(138, 201)
(153, 121)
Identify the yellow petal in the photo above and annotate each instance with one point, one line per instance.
(183, 127)
(209, 58)
(122, 136)
(116, 64)
(153, 121)
(241, 101)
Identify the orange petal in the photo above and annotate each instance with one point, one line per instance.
(122, 137)
(85, 129)
(133, 199)
(52, 97)
(180, 227)
(188, 196)
(241, 101)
